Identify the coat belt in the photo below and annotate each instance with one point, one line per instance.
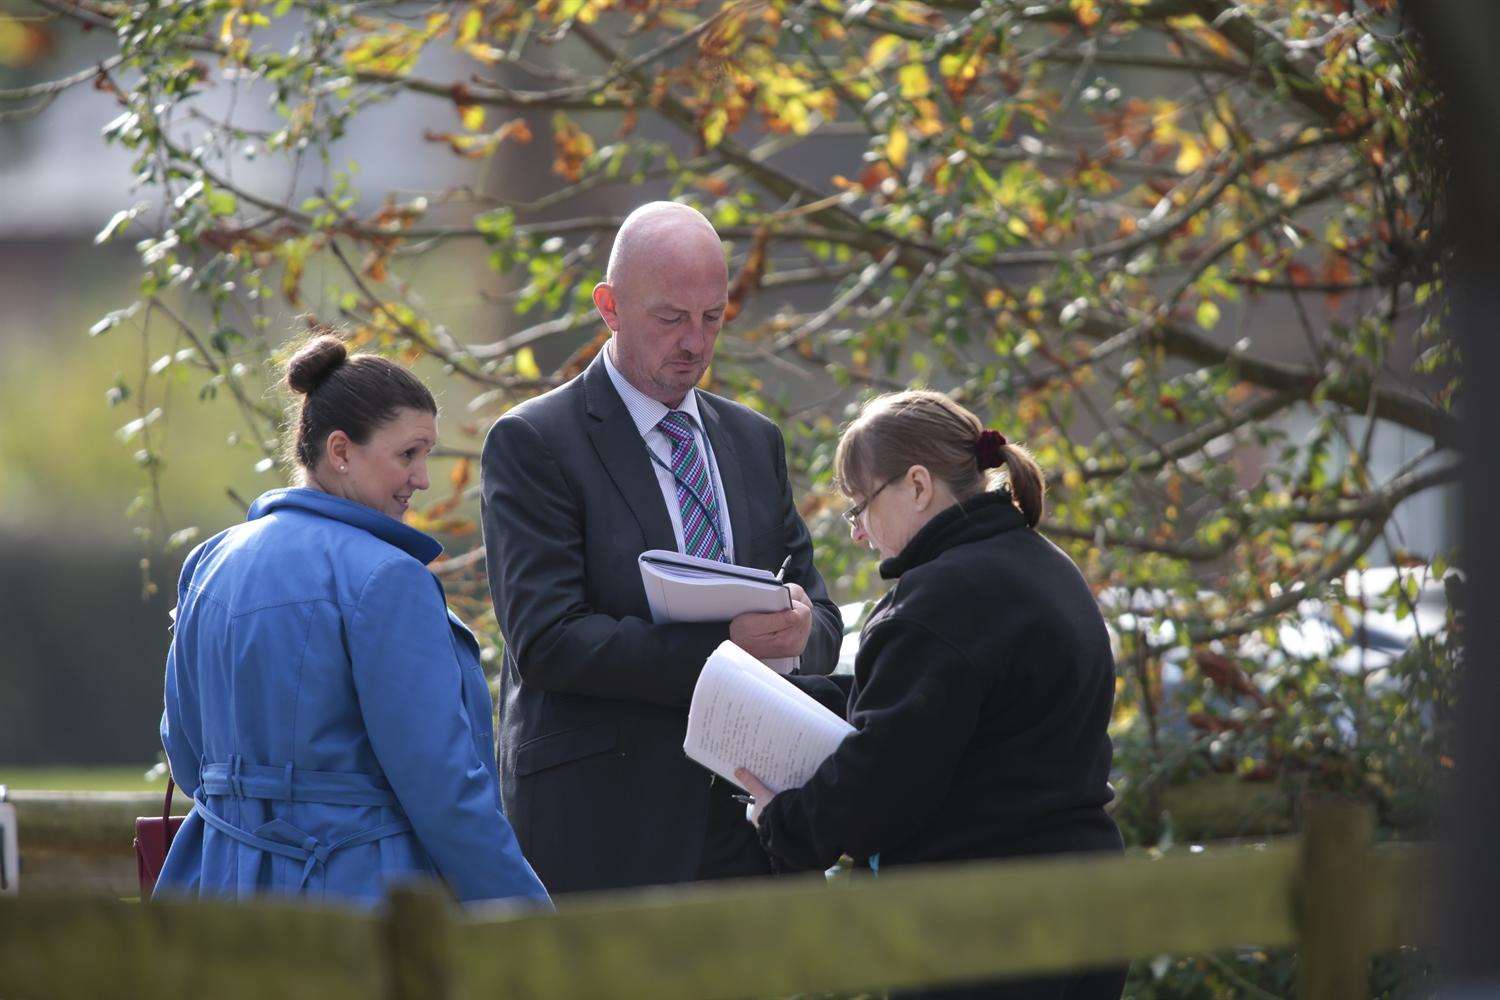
(284, 839)
(286, 783)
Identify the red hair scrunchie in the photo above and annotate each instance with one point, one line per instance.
(989, 449)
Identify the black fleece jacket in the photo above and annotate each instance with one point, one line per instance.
(982, 693)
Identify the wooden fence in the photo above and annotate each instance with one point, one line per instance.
(1331, 893)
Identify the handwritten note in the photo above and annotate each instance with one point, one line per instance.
(743, 715)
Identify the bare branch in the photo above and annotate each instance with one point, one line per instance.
(1197, 440)
(54, 87)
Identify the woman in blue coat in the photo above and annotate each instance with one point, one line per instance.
(324, 709)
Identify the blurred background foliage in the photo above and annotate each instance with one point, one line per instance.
(1184, 250)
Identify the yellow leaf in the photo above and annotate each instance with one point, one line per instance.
(914, 81)
(1208, 314)
(1190, 157)
(486, 54)
(883, 48)
(468, 28)
(896, 146)
(1016, 226)
(713, 127)
(1164, 120)
(1218, 136)
(526, 366)
(929, 120)
(472, 116)
(1087, 12)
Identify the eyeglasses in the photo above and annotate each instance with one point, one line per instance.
(852, 514)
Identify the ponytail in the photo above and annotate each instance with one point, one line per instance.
(921, 427)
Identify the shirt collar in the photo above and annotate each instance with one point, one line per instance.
(645, 411)
(420, 546)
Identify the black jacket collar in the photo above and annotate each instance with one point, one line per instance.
(971, 520)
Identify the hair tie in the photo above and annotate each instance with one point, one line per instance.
(989, 449)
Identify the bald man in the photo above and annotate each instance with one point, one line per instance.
(577, 483)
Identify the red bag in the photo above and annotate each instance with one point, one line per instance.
(153, 836)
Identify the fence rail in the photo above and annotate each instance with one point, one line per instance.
(1331, 893)
(82, 840)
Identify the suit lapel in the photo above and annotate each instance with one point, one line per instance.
(731, 474)
(623, 454)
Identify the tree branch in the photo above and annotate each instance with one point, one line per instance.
(1197, 440)
(53, 87)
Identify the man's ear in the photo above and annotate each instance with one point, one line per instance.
(604, 301)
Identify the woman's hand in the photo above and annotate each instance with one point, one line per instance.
(761, 794)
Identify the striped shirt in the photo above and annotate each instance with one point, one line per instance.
(646, 413)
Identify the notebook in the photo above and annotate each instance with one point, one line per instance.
(743, 715)
(683, 588)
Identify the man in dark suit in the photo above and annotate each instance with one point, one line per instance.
(626, 457)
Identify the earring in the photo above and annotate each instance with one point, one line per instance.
(343, 468)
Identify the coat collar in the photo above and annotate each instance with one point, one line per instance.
(422, 547)
(971, 520)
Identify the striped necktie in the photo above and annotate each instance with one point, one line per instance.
(696, 502)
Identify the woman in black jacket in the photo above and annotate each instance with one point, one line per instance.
(984, 680)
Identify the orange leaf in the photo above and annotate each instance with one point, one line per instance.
(573, 147)
(459, 477)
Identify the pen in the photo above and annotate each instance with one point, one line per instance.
(781, 573)
(748, 800)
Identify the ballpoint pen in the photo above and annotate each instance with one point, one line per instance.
(781, 573)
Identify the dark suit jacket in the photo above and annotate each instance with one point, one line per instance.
(594, 696)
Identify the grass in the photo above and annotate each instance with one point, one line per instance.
(95, 778)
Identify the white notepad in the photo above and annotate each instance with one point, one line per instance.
(743, 715)
(683, 588)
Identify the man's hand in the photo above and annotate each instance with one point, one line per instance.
(766, 635)
(758, 791)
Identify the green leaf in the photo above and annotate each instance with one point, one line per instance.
(221, 202)
(496, 225)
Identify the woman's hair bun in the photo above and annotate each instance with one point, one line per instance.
(314, 362)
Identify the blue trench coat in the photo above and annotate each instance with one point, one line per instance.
(329, 715)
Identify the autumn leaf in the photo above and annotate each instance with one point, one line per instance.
(914, 81)
(468, 27)
(526, 366)
(1190, 157)
(471, 116)
(896, 145)
(713, 127)
(459, 477)
(748, 280)
(573, 147)
(474, 147)
(1087, 12)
